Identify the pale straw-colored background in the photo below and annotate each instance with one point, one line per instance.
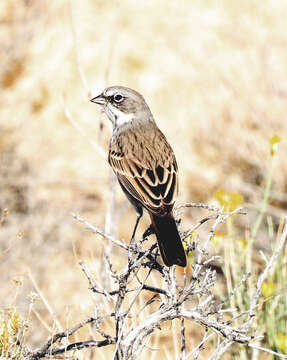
(214, 74)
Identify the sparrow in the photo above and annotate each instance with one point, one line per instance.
(145, 166)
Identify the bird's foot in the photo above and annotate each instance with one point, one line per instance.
(149, 231)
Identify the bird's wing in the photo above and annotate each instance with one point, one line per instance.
(153, 184)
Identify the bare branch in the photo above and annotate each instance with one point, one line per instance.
(182, 341)
(45, 349)
(79, 345)
(253, 346)
(178, 297)
(269, 266)
(221, 349)
(100, 232)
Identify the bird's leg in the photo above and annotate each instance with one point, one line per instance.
(131, 247)
(139, 215)
(149, 231)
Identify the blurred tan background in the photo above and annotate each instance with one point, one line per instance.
(214, 74)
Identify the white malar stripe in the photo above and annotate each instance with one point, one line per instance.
(118, 117)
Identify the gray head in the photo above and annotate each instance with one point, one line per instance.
(123, 105)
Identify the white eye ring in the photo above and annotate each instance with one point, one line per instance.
(118, 98)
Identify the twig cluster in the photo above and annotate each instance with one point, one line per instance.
(179, 296)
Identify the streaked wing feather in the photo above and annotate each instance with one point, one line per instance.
(129, 186)
(154, 188)
(171, 190)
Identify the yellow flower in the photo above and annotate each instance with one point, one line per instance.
(230, 200)
(282, 342)
(274, 141)
(268, 288)
(13, 319)
(242, 243)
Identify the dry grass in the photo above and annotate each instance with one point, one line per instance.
(214, 74)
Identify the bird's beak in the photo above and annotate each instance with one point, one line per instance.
(100, 100)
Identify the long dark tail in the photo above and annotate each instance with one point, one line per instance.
(169, 242)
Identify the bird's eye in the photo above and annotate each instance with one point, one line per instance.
(118, 98)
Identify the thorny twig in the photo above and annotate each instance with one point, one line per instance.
(192, 301)
(46, 349)
(182, 340)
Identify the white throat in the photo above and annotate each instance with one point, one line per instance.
(116, 116)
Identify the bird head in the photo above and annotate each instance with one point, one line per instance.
(122, 105)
